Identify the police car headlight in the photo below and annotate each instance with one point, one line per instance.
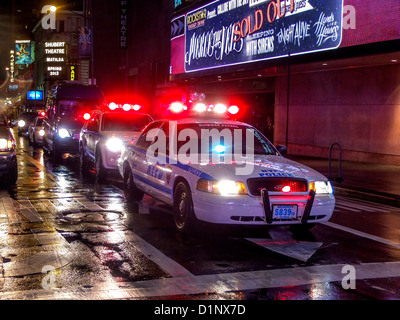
(321, 187)
(223, 187)
(21, 123)
(64, 133)
(114, 144)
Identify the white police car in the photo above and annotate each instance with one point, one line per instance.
(103, 135)
(223, 172)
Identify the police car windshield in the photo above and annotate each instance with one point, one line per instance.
(124, 121)
(221, 138)
(75, 108)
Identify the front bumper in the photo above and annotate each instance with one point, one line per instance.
(249, 210)
(8, 162)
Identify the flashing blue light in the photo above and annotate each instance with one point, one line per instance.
(220, 148)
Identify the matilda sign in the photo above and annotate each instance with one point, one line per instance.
(229, 32)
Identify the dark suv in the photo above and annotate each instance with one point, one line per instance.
(67, 106)
(8, 155)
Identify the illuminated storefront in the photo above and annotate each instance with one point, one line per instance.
(314, 72)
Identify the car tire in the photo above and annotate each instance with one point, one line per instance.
(184, 216)
(101, 173)
(132, 193)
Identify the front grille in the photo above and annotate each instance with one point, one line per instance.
(255, 185)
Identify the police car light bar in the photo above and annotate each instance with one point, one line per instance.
(126, 106)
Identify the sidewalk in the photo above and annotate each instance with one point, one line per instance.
(369, 181)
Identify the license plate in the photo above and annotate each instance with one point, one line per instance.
(284, 212)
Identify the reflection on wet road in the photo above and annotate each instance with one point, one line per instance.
(66, 236)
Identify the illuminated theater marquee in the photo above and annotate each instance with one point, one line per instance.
(231, 32)
(55, 57)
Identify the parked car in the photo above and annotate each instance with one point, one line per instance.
(67, 106)
(36, 132)
(103, 136)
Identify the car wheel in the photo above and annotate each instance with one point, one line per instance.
(101, 173)
(184, 216)
(132, 193)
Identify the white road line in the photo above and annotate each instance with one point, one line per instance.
(215, 283)
(13, 216)
(362, 234)
(169, 265)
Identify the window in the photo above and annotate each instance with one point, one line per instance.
(146, 138)
(94, 123)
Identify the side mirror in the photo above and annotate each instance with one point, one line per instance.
(282, 150)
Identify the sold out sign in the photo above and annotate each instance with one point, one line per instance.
(253, 23)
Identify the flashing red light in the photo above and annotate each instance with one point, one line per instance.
(42, 114)
(220, 108)
(233, 109)
(126, 107)
(136, 107)
(200, 107)
(112, 106)
(177, 107)
(86, 116)
(286, 189)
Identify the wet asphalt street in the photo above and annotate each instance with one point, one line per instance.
(63, 236)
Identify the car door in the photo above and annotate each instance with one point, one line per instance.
(147, 174)
(90, 135)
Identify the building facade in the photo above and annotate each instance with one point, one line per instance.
(307, 74)
(62, 52)
(327, 75)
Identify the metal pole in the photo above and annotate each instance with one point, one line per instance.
(288, 103)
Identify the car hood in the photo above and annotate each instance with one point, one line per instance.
(260, 166)
(70, 124)
(125, 136)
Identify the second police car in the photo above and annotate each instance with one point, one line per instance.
(103, 135)
(223, 172)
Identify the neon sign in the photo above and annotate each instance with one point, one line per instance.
(230, 32)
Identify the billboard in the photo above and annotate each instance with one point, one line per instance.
(24, 52)
(34, 95)
(224, 33)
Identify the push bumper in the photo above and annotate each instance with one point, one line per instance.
(251, 210)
